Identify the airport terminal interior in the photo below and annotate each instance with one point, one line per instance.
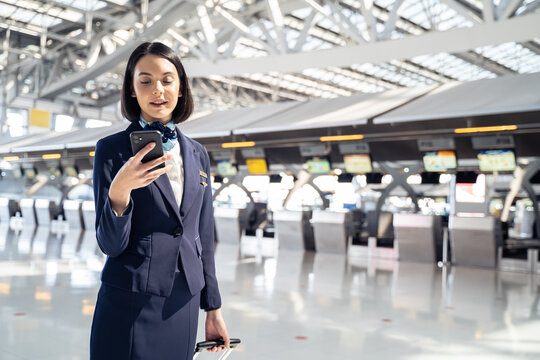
(375, 170)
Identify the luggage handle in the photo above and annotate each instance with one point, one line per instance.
(213, 343)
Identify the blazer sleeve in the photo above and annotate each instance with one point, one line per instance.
(210, 297)
(112, 231)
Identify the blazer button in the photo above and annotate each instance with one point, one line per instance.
(178, 231)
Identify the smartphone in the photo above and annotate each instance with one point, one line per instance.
(140, 139)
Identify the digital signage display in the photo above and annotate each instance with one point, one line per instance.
(226, 168)
(318, 166)
(357, 164)
(496, 160)
(257, 166)
(440, 161)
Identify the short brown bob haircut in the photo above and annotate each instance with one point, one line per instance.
(130, 107)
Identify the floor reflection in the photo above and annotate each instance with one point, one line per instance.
(283, 304)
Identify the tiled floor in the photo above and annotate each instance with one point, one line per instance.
(283, 305)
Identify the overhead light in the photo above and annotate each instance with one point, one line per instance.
(238, 144)
(485, 129)
(11, 158)
(342, 137)
(51, 156)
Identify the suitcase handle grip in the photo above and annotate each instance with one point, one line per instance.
(213, 343)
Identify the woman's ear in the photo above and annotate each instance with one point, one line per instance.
(133, 93)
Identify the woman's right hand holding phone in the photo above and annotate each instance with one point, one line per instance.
(135, 174)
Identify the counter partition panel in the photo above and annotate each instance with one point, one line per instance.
(418, 237)
(331, 231)
(475, 240)
(294, 230)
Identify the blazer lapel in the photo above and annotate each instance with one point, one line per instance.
(162, 182)
(191, 173)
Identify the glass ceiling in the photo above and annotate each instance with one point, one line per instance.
(328, 30)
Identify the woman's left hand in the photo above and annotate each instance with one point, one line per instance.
(215, 329)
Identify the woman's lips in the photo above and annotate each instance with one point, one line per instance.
(159, 103)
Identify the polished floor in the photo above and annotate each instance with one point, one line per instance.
(282, 304)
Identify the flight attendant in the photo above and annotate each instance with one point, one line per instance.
(155, 226)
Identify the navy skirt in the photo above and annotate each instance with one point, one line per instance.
(134, 326)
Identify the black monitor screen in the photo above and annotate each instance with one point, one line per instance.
(374, 178)
(536, 178)
(345, 178)
(466, 177)
(275, 178)
(430, 177)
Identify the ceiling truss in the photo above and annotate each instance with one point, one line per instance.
(245, 52)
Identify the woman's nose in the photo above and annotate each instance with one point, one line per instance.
(158, 89)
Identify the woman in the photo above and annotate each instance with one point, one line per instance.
(155, 226)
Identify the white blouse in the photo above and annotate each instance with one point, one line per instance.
(176, 174)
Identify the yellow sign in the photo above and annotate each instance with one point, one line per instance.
(40, 118)
(257, 166)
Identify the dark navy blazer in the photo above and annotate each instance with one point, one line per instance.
(154, 236)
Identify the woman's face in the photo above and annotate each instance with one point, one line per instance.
(156, 86)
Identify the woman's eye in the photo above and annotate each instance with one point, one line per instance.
(145, 82)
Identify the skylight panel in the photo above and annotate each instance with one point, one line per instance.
(84, 5)
(513, 56)
(303, 12)
(100, 5)
(414, 11)
(385, 3)
(453, 67)
(67, 14)
(7, 9)
(33, 18)
(119, 2)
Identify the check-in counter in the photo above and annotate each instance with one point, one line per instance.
(536, 260)
(227, 222)
(381, 234)
(8, 208)
(73, 213)
(46, 211)
(89, 215)
(331, 230)
(294, 230)
(474, 240)
(28, 212)
(418, 237)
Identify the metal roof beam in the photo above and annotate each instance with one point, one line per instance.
(122, 53)
(517, 29)
(485, 63)
(463, 10)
